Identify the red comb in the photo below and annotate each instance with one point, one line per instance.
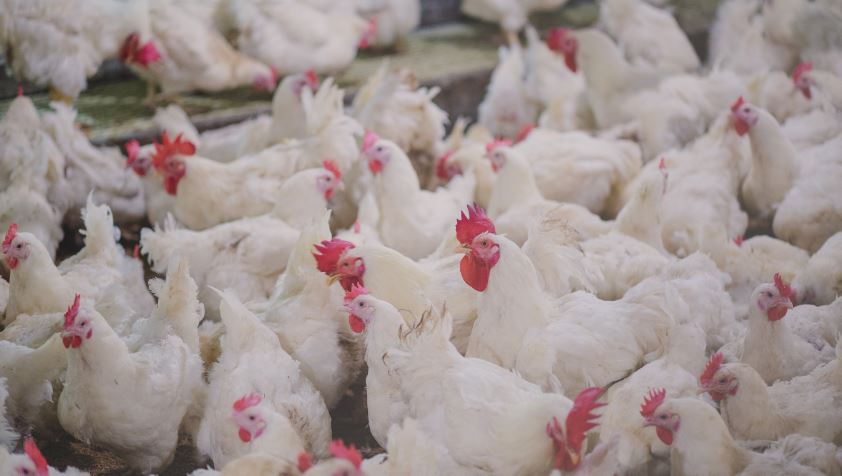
(473, 225)
(312, 79)
(20, 90)
(441, 165)
(711, 368)
(662, 164)
(34, 454)
(248, 401)
(147, 54)
(784, 288)
(72, 312)
(10, 235)
(800, 70)
(652, 402)
(524, 133)
(738, 240)
(330, 166)
(350, 453)
(579, 418)
(132, 148)
(369, 139)
(328, 253)
(166, 149)
(136, 251)
(493, 145)
(305, 461)
(356, 290)
(357, 227)
(739, 102)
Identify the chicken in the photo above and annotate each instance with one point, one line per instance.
(703, 176)
(194, 56)
(700, 443)
(30, 403)
(34, 191)
(681, 109)
(391, 104)
(807, 405)
(293, 37)
(254, 464)
(246, 255)
(781, 95)
(575, 167)
(101, 270)
(158, 202)
(467, 156)
(648, 35)
(550, 342)
(413, 287)
(305, 312)
(132, 403)
(820, 282)
(516, 202)
(412, 220)
(393, 20)
(774, 166)
(812, 210)
(554, 84)
(610, 79)
(512, 15)
(32, 462)
(276, 410)
(506, 107)
(738, 41)
(676, 372)
(207, 192)
(457, 398)
(755, 261)
(248, 137)
(8, 436)
(60, 46)
(606, 265)
(769, 345)
(813, 29)
(90, 169)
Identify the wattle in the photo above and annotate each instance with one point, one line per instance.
(664, 435)
(475, 272)
(71, 342)
(375, 166)
(245, 436)
(741, 127)
(12, 262)
(717, 396)
(777, 313)
(171, 184)
(348, 282)
(357, 324)
(570, 61)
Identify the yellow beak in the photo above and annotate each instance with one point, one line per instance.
(332, 279)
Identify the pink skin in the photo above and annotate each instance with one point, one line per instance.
(773, 304)
(722, 384)
(378, 156)
(350, 270)
(77, 333)
(804, 83)
(480, 256)
(360, 313)
(327, 183)
(497, 159)
(266, 83)
(562, 41)
(745, 117)
(665, 422)
(305, 80)
(174, 171)
(140, 164)
(17, 252)
(250, 422)
(369, 35)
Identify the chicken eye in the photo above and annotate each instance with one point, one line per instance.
(379, 148)
(360, 304)
(251, 417)
(19, 246)
(768, 294)
(722, 380)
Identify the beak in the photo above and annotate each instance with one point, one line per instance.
(701, 390)
(462, 248)
(649, 421)
(332, 279)
(574, 457)
(782, 302)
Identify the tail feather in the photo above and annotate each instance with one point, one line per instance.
(179, 305)
(243, 330)
(158, 244)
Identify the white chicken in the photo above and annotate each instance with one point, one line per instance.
(276, 410)
(132, 403)
(32, 462)
(247, 255)
(60, 46)
(412, 220)
(191, 55)
(693, 430)
(510, 14)
(248, 137)
(648, 35)
(820, 282)
(393, 20)
(392, 105)
(807, 405)
(507, 107)
(516, 202)
(293, 37)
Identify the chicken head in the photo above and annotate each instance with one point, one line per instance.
(774, 299)
(360, 308)
(15, 247)
(495, 153)
(249, 417)
(718, 381)
(376, 152)
(330, 180)
(476, 234)
(133, 53)
(333, 260)
(666, 422)
(77, 326)
(744, 116)
(568, 442)
(168, 160)
(802, 80)
(562, 41)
